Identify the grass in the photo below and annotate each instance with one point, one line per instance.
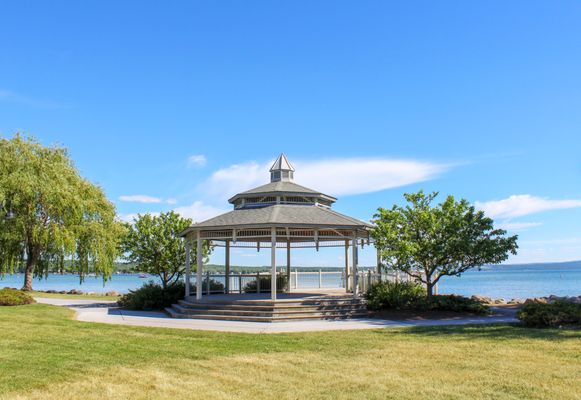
(74, 296)
(44, 354)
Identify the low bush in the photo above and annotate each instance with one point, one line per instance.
(394, 295)
(452, 303)
(412, 296)
(151, 296)
(281, 284)
(559, 314)
(14, 297)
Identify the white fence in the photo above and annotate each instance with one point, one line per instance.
(260, 281)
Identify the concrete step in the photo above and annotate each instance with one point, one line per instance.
(276, 307)
(266, 313)
(252, 318)
(274, 303)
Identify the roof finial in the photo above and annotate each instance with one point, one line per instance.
(281, 170)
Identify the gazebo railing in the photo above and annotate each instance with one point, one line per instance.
(321, 279)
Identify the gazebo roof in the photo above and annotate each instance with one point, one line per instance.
(280, 188)
(283, 215)
(281, 204)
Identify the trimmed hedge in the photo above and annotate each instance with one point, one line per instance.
(559, 314)
(394, 295)
(281, 284)
(14, 297)
(151, 296)
(412, 296)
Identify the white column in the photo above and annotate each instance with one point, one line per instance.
(273, 263)
(227, 267)
(354, 272)
(199, 258)
(188, 268)
(288, 265)
(347, 266)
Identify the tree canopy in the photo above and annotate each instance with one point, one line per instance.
(154, 244)
(49, 213)
(429, 241)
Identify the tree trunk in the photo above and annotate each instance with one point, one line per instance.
(430, 289)
(29, 272)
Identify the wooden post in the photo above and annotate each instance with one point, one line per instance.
(320, 278)
(258, 282)
(273, 262)
(199, 259)
(288, 265)
(239, 283)
(227, 267)
(188, 267)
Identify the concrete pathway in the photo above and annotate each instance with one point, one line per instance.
(107, 312)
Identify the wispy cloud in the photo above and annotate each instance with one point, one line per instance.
(198, 211)
(141, 198)
(523, 204)
(517, 226)
(341, 176)
(197, 160)
(13, 97)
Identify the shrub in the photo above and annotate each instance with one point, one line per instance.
(412, 296)
(452, 303)
(561, 313)
(151, 296)
(281, 284)
(14, 297)
(394, 295)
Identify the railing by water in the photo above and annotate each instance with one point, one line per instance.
(260, 281)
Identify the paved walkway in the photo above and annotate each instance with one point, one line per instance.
(107, 312)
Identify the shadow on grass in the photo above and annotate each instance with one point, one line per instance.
(496, 332)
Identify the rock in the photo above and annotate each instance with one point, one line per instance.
(536, 300)
(499, 301)
(516, 301)
(112, 293)
(482, 299)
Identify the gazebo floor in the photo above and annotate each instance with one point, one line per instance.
(259, 307)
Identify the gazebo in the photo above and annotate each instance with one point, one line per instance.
(278, 215)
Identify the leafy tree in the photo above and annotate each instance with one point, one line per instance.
(154, 244)
(49, 213)
(428, 242)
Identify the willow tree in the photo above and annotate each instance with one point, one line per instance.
(50, 214)
(428, 241)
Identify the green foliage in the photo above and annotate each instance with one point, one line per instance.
(13, 297)
(154, 244)
(558, 314)
(281, 284)
(55, 214)
(428, 242)
(452, 303)
(412, 296)
(394, 295)
(152, 296)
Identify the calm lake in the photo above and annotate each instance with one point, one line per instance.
(511, 281)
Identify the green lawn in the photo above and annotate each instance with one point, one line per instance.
(44, 354)
(74, 296)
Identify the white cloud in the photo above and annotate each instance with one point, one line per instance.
(141, 198)
(523, 204)
(517, 226)
(198, 211)
(197, 159)
(341, 176)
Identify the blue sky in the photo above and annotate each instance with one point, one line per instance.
(178, 105)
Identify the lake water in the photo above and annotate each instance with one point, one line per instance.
(515, 281)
